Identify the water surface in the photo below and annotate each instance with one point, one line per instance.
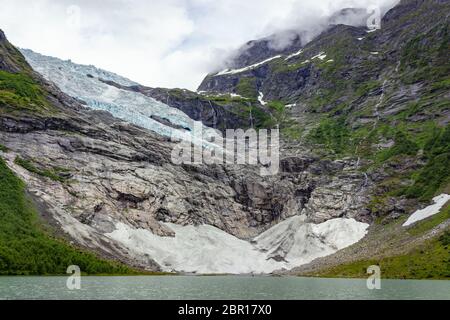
(218, 287)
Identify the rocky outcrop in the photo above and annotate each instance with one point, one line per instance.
(259, 50)
(198, 107)
(123, 174)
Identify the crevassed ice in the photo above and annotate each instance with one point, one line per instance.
(82, 82)
(206, 249)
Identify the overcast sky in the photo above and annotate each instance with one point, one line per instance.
(159, 43)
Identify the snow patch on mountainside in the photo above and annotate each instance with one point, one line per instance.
(294, 54)
(429, 211)
(261, 98)
(253, 66)
(206, 249)
(320, 56)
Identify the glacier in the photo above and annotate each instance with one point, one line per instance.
(84, 82)
(202, 249)
(205, 249)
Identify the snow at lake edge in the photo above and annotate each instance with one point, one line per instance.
(206, 249)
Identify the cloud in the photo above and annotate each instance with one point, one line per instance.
(160, 43)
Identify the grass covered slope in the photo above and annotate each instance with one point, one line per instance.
(428, 261)
(27, 249)
(20, 90)
(420, 251)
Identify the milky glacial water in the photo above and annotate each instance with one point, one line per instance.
(219, 287)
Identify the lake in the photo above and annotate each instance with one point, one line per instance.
(218, 287)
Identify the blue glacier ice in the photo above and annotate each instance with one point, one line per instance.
(83, 82)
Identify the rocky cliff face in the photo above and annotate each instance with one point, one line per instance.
(211, 112)
(91, 172)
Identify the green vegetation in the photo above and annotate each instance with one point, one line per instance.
(322, 100)
(422, 140)
(445, 239)
(431, 178)
(282, 66)
(292, 132)
(425, 58)
(289, 128)
(20, 92)
(275, 115)
(277, 106)
(425, 225)
(403, 146)
(249, 108)
(436, 173)
(227, 99)
(433, 142)
(53, 173)
(10, 56)
(262, 119)
(247, 87)
(181, 93)
(430, 260)
(26, 248)
(367, 87)
(441, 85)
(3, 148)
(333, 134)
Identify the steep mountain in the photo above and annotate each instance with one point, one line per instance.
(290, 41)
(365, 140)
(347, 69)
(156, 108)
(381, 98)
(108, 183)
